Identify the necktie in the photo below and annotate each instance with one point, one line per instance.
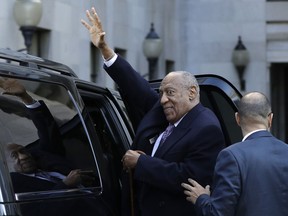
(49, 176)
(166, 133)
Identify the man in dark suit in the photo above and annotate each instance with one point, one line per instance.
(250, 177)
(191, 149)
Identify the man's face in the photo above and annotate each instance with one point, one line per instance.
(175, 97)
(23, 160)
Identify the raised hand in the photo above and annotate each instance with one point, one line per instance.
(97, 34)
(14, 87)
(95, 28)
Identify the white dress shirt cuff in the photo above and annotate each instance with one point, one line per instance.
(110, 61)
(33, 105)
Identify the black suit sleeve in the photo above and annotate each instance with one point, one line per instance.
(136, 92)
(48, 131)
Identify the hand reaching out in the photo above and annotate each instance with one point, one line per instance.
(194, 190)
(73, 179)
(77, 177)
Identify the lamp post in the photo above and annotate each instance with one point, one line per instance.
(240, 59)
(27, 14)
(152, 48)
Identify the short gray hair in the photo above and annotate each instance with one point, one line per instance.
(254, 105)
(189, 80)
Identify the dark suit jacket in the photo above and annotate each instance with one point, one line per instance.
(190, 151)
(48, 131)
(49, 152)
(250, 179)
(23, 183)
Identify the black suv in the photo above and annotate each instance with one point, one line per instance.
(96, 129)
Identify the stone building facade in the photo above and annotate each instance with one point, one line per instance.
(198, 36)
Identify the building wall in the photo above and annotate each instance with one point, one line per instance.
(199, 36)
(212, 29)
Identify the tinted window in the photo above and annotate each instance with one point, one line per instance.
(215, 99)
(54, 136)
(111, 126)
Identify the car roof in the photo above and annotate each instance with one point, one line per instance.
(31, 61)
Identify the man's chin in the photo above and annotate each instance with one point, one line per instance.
(28, 170)
(169, 118)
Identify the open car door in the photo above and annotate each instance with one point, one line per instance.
(61, 134)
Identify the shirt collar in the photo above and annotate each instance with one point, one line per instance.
(247, 135)
(177, 123)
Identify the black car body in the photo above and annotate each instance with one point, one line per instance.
(96, 128)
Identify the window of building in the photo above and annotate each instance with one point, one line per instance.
(95, 63)
(169, 66)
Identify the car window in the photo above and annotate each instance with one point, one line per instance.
(215, 99)
(58, 143)
(112, 128)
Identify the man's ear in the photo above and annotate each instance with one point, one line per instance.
(192, 92)
(237, 118)
(270, 118)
